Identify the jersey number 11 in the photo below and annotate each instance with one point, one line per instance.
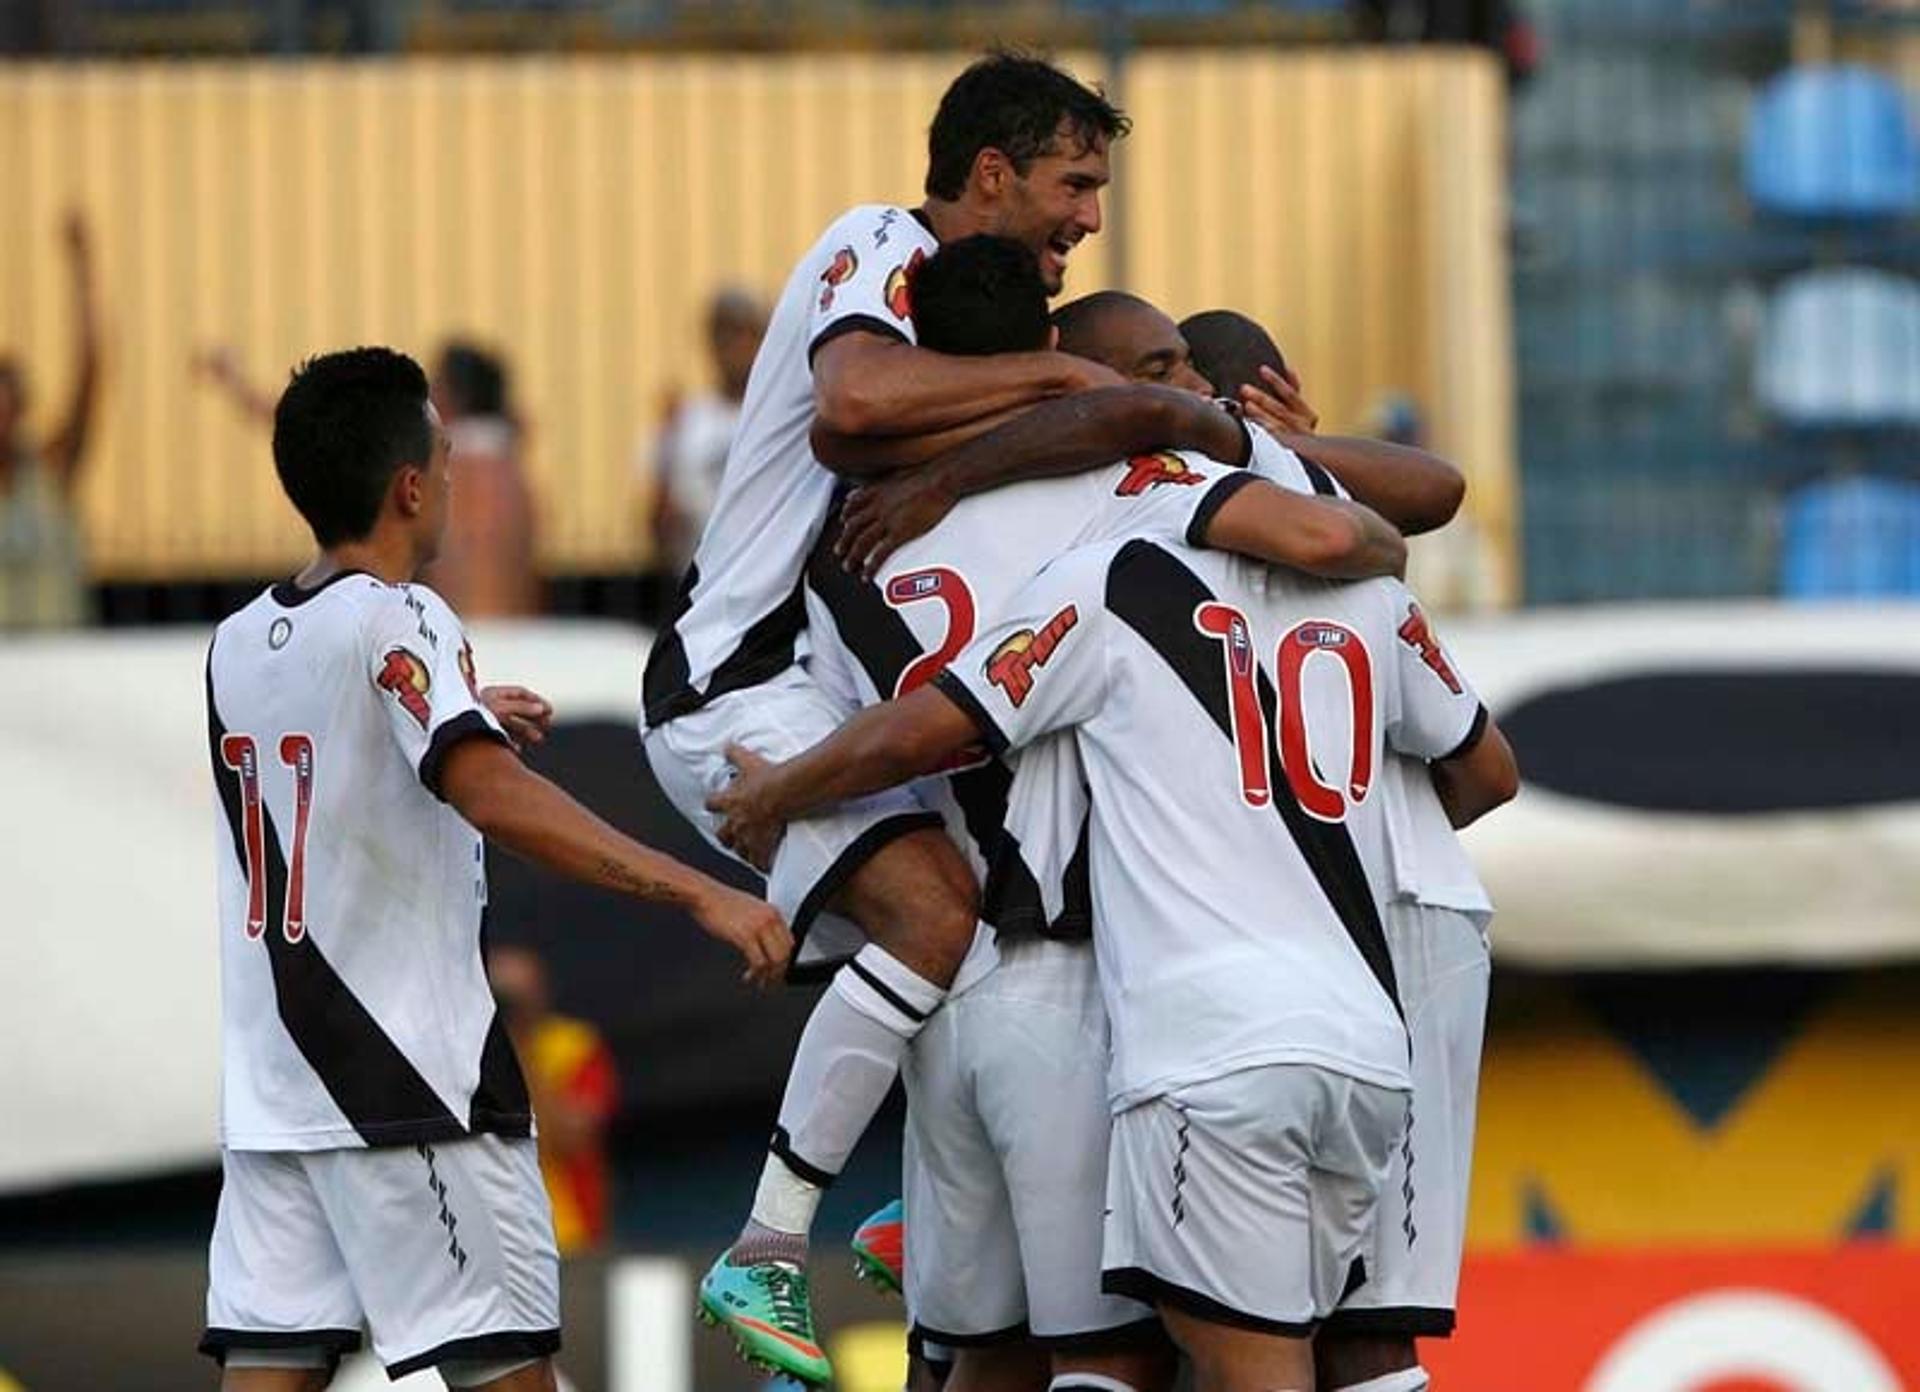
(242, 755)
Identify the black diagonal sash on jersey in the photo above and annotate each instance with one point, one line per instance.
(764, 651)
(362, 1069)
(1153, 594)
(884, 645)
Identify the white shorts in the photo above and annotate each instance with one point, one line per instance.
(1007, 1129)
(444, 1251)
(779, 719)
(1249, 1199)
(1413, 1264)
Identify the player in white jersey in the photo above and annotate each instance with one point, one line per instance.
(1436, 917)
(1007, 1110)
(376, 1137)
(1259, 1059)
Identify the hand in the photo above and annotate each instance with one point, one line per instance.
(526, 715)
(746, 828)
(1280, 408)
(884, 516)
(751, 927)
(1084, 374)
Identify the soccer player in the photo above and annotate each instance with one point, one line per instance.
(1436, 919)
(1007, 1106)
(1231, 719)
(379, 1166)
(1017, 148)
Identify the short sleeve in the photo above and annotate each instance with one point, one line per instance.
(1436, 714)
(421, 669)
(1172, 494)
(868, 258)
(1274, 462)
(1043, 667)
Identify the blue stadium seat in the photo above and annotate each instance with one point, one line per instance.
(1841, 351)
(1852, 538)
(1832, 143)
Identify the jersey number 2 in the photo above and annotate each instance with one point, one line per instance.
(242, 755)
(1299, 643)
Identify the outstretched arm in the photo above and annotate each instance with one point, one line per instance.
(67, 446)
(220, 365)
(1417, 491)
(1078, 432)
(1329, 537)
(869, 384)
(880, 746)
(509, 804)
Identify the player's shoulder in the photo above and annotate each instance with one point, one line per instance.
(877, 227)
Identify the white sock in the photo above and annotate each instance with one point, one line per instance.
(1413, 1379)
(845, 1065)
(1088, 1382)
(783, 1201)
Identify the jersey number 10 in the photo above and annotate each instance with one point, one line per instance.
(1321, 800)
(242, 755)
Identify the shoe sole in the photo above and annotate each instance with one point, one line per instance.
(714, 1319)
(869, 1268)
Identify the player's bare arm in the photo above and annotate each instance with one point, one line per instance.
(1416, 490)
(67, 446)
(1473, 783)
(890, 743)
(1083, 431)
(869, 384)
(874, 456)
(514, 807)
(1329, 537)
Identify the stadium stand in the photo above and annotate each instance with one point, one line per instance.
(1833, 144)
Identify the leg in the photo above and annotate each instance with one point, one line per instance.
(1368, 1363)
(1021, 1366)
(1226, 1359)
(534, 1376)
(235, 1379)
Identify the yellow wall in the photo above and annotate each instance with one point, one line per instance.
(576, 213)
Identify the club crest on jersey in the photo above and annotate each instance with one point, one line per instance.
(1012, 665)
(467, 669)
(1145, 471)
(900, 286)
(1417, 633)
(406, 677)
(278, 635)
(844, 266)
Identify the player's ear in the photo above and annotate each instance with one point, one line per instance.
(992, 172)
(410, 489)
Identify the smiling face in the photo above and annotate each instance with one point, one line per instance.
(1134, 339)
(1055, 203)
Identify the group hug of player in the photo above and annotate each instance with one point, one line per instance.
(1092, 747)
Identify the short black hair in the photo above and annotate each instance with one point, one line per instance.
(1079, 320)
(980, 295)
(345, 425)
(1016, 104)
(1229, 349)
(476, 379)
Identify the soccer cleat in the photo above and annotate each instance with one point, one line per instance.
(767, 1310)
(880, 1248)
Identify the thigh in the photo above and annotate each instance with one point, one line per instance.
(964, 1286)
(276, 1275)
(1413, 1259)
(450, 1247)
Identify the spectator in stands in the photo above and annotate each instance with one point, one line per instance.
(1499, 25)
(570, 1073)
(691, 448)
(43, 577)
(486, 567)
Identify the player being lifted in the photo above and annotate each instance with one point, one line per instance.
(379, 1167)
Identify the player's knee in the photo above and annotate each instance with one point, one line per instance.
(917, 899)
(1344, 1362)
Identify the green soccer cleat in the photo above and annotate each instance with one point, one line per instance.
(768, 1311)
(880, 1248)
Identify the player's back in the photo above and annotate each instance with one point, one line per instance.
(355, 1005)
(1232, 719)
(740, 616)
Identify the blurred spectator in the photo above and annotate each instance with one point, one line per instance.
(486, 567)
(43, 579)
(1499, 25)
(691, 449)
(1396, 418)
(570, 1074)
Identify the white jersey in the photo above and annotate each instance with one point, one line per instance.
(740, 617)
(872, 640)
(1236, 922)
(354, 1005)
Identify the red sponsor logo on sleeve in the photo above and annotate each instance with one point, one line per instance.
(900, 286)
(1012, 665)
(406, 677)
(1146, 471)
(844, 266)
(1417, 633)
